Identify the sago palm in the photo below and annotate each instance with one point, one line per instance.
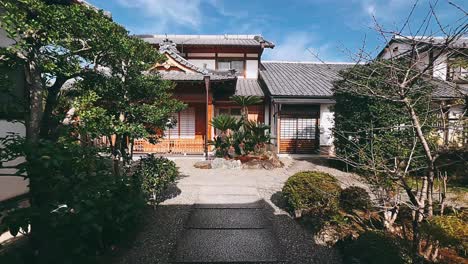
(245, 101)
(224, 123)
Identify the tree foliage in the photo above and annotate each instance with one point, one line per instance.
(85, 78)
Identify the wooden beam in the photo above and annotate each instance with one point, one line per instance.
(208, 117)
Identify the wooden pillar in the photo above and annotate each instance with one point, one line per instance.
(209, 108)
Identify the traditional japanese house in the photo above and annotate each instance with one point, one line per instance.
(297, 96)
(207, 71)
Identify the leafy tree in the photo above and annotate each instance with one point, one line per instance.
(385, 127)
(84, 79)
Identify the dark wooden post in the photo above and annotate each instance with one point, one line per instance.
(207, 89)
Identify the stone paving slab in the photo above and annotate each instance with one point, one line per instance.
(227, 245)
(227, 219)
(227, 199)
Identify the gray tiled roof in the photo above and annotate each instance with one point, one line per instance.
(461, 42)
(210, 40)
(445, 89)
(246, 87)
(300, 79)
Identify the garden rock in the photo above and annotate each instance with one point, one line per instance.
(253, 164)
(274, 159)
(203, 164)
(327, 236)
(268, 165)
(220, 163)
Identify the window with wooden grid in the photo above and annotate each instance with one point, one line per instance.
(298, 128)
(184, 126)
(231, 64)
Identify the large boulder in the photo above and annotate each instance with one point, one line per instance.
(275, 161)
(253, 164)
(206, 164)
(220, 163)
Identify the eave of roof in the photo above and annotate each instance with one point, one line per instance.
(197, 73)
(211, 40)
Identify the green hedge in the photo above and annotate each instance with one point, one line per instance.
(313, 192)
(355, 197)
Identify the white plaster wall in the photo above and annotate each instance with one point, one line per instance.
(267, 114)
(12, 186)
(201, 54)
(423, 60)
(389, 53)
(4, 40)
(210, 64)
(440, 67)
(327, 122)
(230, 55)
(251, 69)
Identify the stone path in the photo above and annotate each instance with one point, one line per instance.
(228, 225)
(228, 215)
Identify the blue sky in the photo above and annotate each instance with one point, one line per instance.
(333, 29)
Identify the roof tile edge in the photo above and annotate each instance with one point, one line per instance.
(310, 62)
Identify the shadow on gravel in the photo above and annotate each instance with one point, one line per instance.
(168, 229)
(278, 199)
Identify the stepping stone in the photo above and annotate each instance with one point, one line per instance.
(228, 201)
(227, 245)
(227, 219)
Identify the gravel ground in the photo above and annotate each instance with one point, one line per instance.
(155, 242)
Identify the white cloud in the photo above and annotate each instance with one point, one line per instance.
(386, 10)
(301, 46)
(163, 12)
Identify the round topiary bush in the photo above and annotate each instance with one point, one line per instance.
(156, 174)
(353, 198)
(314, 192)
(372, 247)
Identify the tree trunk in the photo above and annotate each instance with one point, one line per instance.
(35, 94)
(116, 155)
(443, 194)
(430, 190)
(422, 199)
(51, 104)
(419, 209)
(36, 100)
(389, 218)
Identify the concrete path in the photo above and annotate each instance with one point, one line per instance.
(228, 225)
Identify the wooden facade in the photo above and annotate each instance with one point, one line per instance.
(205, 91)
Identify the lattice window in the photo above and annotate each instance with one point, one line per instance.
(185, 125)
(298, 128)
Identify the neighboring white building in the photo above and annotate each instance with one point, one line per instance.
(450, 78)
(11, 115)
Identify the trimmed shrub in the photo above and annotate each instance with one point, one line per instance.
(372, 247)
(314, 192)
(450, 231)
(355, 197)
(156, 174)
